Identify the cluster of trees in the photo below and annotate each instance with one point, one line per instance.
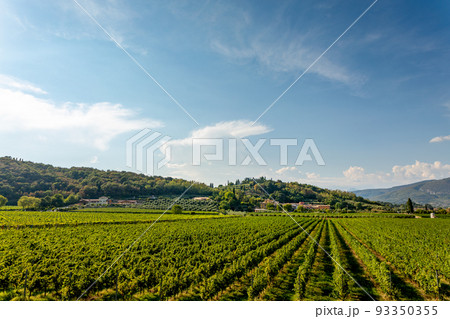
(237, 200)
(246, 195)
(425, 209)
(20, 178)
(57, 200)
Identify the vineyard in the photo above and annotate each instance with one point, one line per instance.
(217, 257)
(187, 204)
(99, 216)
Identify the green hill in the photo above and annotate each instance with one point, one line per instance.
(18, 178)
(434, 192)
(23, 178)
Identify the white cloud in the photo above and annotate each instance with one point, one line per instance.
(312, 175)
(439, 139)
(10, 82)
(230, 129)
(420, 170)
(357, 177)
(286, 169)
(88, 124)
(354, 173)
(400, 174)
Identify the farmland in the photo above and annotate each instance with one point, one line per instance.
(205, 256)
(96, 216)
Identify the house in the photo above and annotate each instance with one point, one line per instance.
(100, 201)
(103, 200)
(88, 201)
(267, 201)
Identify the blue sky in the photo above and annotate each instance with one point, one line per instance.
(377, 104)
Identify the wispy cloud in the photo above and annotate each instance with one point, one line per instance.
(277, 47)
(291, 56)
(439, 139)
(233, 129)
(287, 169)
(14, 83)
(93, 125)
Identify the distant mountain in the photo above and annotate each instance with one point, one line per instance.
(434, 192)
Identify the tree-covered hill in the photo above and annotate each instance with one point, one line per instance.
(52, 184)
(18, 178)
(248, 193)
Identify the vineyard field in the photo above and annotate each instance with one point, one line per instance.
(94, 216)
(217, 257)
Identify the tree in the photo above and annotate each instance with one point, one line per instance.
(300, 209)
(270, 206)
(177, 209)
(71, 199)
(29, 203)
(57, 200)
(287, 207)
(409, 206)
(3, 200)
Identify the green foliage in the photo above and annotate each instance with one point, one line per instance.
(409, 206)
(187, 204)
(18, 178)
(304, 270)
(29, 203)
(417, 247)
(177, 209)
(377, 268)
(96, 216)
(340, 278)
(200, 260)
(3, 200)
(248, 195)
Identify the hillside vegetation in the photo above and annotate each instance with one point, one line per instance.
(18, 178)
(58, 186)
